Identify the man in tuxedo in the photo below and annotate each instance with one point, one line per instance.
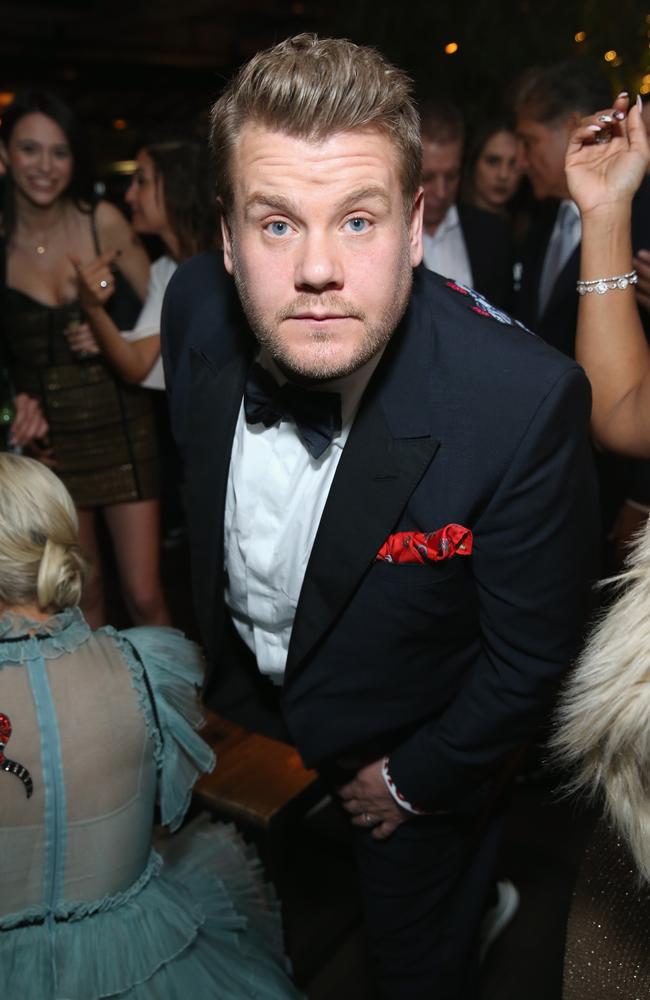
(389, 493)
(462, 242)
(550, 103)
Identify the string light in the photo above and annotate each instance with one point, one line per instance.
(451, 48)
(580, 36)
(119, 124)
(610, 55)
(123, 167)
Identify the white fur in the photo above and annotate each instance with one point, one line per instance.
(603, 719)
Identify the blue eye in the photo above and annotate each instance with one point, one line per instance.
(277, 228)
(358, 225)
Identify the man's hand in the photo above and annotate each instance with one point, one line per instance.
(370, 804)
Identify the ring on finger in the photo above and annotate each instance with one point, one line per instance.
(367, 819)
(604, 136)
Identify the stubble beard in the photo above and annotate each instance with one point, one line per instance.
(325, 364)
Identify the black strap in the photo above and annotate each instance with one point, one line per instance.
(94, 231)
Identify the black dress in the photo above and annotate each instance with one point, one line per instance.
(102, 430)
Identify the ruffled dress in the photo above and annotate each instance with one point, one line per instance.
(100, 724)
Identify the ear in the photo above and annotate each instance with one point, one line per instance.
(226, 238)
(415, 228)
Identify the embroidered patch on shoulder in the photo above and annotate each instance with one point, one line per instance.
(483, 307)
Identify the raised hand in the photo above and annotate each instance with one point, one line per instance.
(95, 281)
(607, 157)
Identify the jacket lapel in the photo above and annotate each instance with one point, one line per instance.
(387, 452)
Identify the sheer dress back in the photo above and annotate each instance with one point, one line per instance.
(78, 727)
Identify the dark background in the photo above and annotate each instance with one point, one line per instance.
(156, 66)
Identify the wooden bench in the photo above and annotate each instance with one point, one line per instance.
(258, 782)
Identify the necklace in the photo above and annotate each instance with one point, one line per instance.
(40, 245)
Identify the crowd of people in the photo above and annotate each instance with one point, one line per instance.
(398, 503)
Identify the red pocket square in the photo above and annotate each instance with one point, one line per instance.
(429, 546)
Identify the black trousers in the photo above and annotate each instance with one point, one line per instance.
(425, 890)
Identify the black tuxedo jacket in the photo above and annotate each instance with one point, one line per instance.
(466, 420)
(557, 324)
(489, 248)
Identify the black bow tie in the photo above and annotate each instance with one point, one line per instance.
(317, 415)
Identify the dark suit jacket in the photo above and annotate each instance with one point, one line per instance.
(489, 248)
(467, 420)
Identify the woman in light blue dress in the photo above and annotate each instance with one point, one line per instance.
(94, 728)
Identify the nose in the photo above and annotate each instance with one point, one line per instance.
(439, 187)
(129, 197)
(318, 265)
(45, 160)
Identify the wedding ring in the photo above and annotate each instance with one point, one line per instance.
(103, 283)
(367, 819)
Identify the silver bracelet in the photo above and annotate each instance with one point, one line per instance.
(602, 285)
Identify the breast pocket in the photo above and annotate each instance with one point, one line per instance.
(426, 591)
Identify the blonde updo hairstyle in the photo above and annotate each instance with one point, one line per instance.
(40, 559)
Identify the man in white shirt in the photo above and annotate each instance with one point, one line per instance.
(459, 241)
(389, 493)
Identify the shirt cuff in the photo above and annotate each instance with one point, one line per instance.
(397, 795)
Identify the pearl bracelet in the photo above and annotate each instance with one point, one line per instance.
(602, 285)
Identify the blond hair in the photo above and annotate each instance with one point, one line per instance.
(40, 559)
(312, 88)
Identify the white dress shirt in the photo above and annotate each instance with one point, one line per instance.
(274, 501)
(446, 251)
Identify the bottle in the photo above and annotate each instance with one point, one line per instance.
(7, 411)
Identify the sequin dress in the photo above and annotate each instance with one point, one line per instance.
(102, 430)
(607, 955)
(103, 723)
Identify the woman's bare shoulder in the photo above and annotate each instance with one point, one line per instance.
(113, 227)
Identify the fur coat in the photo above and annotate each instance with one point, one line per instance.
(603, 718)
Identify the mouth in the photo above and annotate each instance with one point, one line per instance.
(314, 317)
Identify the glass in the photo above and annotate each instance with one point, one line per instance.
(75, 318)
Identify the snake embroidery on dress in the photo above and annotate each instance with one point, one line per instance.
(12, 766)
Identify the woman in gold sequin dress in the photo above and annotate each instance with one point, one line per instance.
(604, 715)
(102, 433)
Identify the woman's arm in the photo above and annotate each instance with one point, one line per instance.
(610, 343)
(132, 359)
(115, 234)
